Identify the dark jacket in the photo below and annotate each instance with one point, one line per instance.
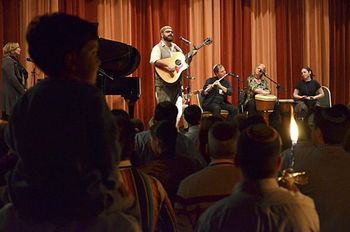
(14, 78)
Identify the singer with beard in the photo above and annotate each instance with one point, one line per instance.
(164, 49)
(256, 84)
(14, 77)
(215, 92)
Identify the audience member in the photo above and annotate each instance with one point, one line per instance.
(204, 127)
(153, 207)
(138, 124)
(120, 113)
(175, 167)
(327, 168)
(200, 190)
(14, 78)
(251, 120)
(258, 203)
(193, 115)
(65, 138)
(164, 111)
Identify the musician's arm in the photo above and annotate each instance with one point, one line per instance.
(163, 65)
(190, 55)
(264, 91)
(158, 62)
(207, 87)
(320, 94)
(297, 96)
(155, 54)
(267, 89)
(226, 88)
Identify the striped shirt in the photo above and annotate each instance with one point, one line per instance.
(202, 189)
(154, 209)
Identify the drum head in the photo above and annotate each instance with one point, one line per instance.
(262, 97)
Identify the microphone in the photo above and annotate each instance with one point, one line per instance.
(30, 59)
(185, 40)
(233, 74)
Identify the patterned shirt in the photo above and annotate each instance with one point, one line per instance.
(154, 209)
(253, 84)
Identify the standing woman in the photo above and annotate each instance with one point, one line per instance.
(14, 77)
(306, 93)
(257, 84)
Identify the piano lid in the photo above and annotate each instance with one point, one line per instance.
(118, 59)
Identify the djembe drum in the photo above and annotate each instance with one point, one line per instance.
(265, 104)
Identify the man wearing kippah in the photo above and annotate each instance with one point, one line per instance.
(258, 203)
(327, 167)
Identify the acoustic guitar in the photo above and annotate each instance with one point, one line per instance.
(180, 61)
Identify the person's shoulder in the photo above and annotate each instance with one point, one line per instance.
(192, 180)
(299, 83)
(8, 216)
(7, 61)
(315, 82)
(76, 90)
(116, 221)
(284, 196)
(212, 218)
(143, 135)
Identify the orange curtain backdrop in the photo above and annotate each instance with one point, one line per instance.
(316, 33)
(264, 37)
(235, 39)
(290, 23)
(283, 34)
(339, 80)
(114, 19)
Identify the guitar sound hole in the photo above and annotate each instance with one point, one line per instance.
(178, 62)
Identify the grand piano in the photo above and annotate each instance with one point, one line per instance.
(118, 60)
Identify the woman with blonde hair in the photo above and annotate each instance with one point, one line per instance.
(14, 77)
(256, 84)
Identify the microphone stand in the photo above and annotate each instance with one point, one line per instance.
(275, 82)
(238, 87)
(187, 90)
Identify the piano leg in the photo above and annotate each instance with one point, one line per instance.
(131, 107)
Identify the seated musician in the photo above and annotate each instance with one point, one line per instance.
(257, 84)
(306, 93)
(215, 92)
